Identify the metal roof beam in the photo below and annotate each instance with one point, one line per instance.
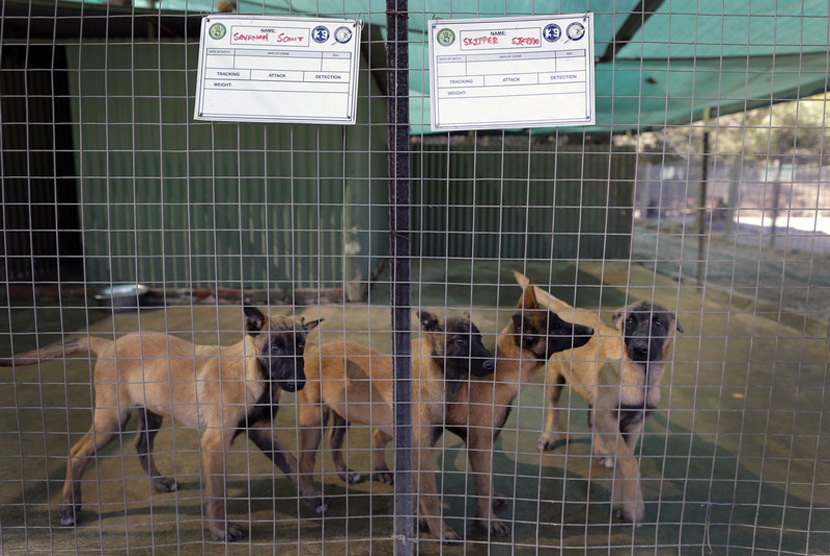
(635, 21)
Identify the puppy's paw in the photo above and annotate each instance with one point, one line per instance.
(450, 537)
(316, 504)
(547, 442)
(164, 484)
(68, 514)
(385, 476)
(349, 476)
(635, 515)
(498, 529)
(232, 533)
(444, 532)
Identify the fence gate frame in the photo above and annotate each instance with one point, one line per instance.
(397, 63)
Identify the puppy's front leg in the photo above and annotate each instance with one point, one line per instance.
(312, 421)
(215, 444)
(626, 493)
(379, 441)
(428, 495)
(553, 390)
(480, 451)
(337, 433)
(263, 435)
(632, 434)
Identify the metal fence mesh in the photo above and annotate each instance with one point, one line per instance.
(721, 218)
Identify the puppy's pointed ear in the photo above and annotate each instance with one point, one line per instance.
(677, 324)
(254, 319)
(617, 317)
(311, 325)
(521, 323)
(521, 279)
(429, 321)
(528, 299)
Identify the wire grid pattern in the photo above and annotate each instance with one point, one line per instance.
(293, 219)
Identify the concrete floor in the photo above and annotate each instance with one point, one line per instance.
(734, 461)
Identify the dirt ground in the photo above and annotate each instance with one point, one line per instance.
(734, 462)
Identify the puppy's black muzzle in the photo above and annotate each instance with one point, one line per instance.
(478, 366)
(482, 367)
(287, 372)
(482, 363)
(643, 350)
(582, 335)
(579, 336)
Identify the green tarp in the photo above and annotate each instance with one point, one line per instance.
(658, 62)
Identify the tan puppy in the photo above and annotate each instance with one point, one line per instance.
(619, 373)
(355, 383)
(220, 391)
(478, 411)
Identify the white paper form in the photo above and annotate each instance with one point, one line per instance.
(512, 72)
(268, 69)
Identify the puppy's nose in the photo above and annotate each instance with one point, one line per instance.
(489, 365)
(641, 350)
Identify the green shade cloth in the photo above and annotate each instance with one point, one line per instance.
(659, 63)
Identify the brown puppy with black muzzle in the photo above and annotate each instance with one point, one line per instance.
(619, 373)
(355, 383)
(221, 391)
(479, 409)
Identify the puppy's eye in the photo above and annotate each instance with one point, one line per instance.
(629, 320)
(658, 322)
(461, 341)
(300, 346)
(277, 344)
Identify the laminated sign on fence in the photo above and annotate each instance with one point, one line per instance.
(512, 72)
(267, 69)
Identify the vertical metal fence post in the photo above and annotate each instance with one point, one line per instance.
(702, 220)
(397, 58)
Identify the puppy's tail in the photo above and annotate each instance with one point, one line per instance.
(543, 298)
(57, 351)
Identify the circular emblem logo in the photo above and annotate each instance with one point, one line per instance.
(552, 32)
(343, 35)
(445, 37)
(217, 31)
(575, 31)
(320, 34)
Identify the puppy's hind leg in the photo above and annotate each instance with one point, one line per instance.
(106, 425)
(338, 430)
(556, 382)
(148, 426)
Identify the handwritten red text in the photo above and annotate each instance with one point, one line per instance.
(476, 41)
(525, 41)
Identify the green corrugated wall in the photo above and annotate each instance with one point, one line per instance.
(168, 201)
(529, 201)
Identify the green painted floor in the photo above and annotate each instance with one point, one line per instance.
(735, 459)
